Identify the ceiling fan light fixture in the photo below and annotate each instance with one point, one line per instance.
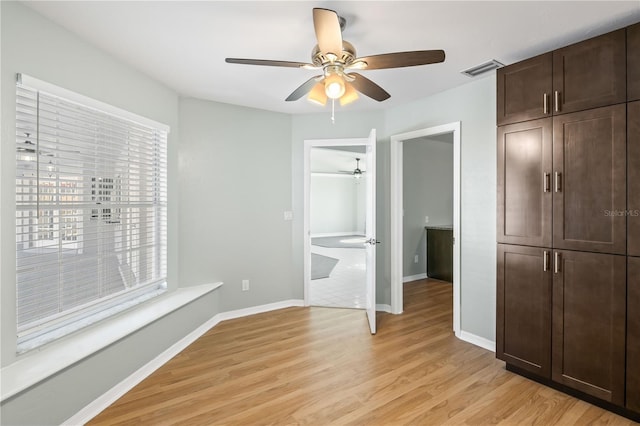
(317, 95)
(350, 95)
(334, 86)
(357, 173)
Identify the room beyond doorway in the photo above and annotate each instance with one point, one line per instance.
(365, 173)
(396, 214)
(337, 227)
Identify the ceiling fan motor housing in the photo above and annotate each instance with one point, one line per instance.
(347, 56)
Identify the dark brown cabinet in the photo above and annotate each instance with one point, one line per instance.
(582, 190)
(589, 162)
(633, 179)
(588, 74)
(523, 333)
(568, 225)
(633, 62)
(524, 183)
(562, 316)
(589, 298)
(440, 253)
(633, 334)
(524, 90)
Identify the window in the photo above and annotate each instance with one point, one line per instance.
(91, 210)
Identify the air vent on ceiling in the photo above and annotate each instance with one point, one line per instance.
(482, 68)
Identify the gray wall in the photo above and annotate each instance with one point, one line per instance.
(337, 205)
(233, 171)
(34, 45)
(235, 185)
(427, 191)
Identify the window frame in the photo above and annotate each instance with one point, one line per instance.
(52, 327)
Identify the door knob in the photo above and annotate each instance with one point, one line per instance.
(372, 241)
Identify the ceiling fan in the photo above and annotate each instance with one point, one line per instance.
(337, 60)
(357, 173)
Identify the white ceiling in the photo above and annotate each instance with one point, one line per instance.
(183, 44)
(336, 160)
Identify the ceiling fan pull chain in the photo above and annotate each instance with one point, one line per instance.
(333, 111)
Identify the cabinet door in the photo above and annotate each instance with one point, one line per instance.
(633, 334)
(589, 297)
(589, 161)
(524, 308)
(590, 74)
(440, 254)
(633, 62)
(633, 179)
(524, 183)
(524, 90)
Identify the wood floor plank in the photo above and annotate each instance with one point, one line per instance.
(320, 366)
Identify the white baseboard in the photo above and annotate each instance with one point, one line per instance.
(102, 402)
(477, 340)
(238, 313)
(414, 277)
(383, 308)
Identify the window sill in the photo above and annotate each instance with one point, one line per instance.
(40, 364)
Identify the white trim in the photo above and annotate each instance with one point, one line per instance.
(417, 277)
(333, 174)
(239, 313)
(36, 366)
(105, 400)
(477, 340)
(336, 234)
(382, 307)
(69, 95)
(396, 207)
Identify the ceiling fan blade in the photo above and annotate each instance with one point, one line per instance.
(402, 59)
(368, 87)
(328, 32)
(269, 63)
(303, 89)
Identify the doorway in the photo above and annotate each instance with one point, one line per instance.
(397, 206)
(337, 226)
(367, 240)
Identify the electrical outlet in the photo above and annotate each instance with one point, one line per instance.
(245, 285)
(415, 259)
(426, 219)
(288, 215)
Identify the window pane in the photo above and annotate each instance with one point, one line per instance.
(90, 209)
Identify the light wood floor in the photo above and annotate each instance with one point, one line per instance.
(320, 366)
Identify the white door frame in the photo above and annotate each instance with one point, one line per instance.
(308, 144)
(397, 211)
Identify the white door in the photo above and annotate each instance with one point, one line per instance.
(370, 221)
(370, 230)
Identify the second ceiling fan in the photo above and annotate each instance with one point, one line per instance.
(337, 59)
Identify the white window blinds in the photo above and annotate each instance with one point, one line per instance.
(91, 210)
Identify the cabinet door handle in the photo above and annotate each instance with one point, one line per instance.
(558, 182)
(545, 104)
(556, 101)
(556, 262)
(545, 261)
(546, 182)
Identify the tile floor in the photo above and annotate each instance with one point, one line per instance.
(346, 287)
